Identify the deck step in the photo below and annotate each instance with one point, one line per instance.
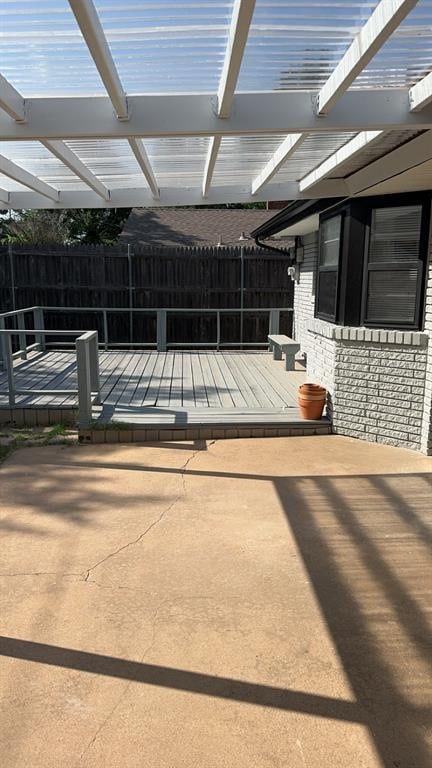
(118, 432)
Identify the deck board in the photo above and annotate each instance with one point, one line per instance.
(171, 387)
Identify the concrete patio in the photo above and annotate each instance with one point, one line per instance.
(236, 603)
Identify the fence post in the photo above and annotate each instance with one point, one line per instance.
(218, 330)
(241, 295)
(6, 345)
(274, 317)
(39, 324)
(131, 289)
(22, 337)
(12, 276)
(84, 383)
(161, 330)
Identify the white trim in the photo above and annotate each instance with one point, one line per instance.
(237, 39)
(348, 151)
(383, 21)
(283, 152)
(401, 159)
(420, 94)
(15, 172)
(212, 153)
(192, 115)
(91, 29)
(140, 153)
(11, 101)
(72, 161)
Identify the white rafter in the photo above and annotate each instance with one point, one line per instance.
(11, 101)
(420, 94)
(92, 32)
(383, 21)
(237, 39)
(140, 153)
(15, 172)
(348, 151)
(283, 152)
(212, 153)
(72, 161)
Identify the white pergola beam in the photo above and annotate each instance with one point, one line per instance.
(348, 151)
(165, 115)
(11, 101)
(212, 153)
(72, 161)
(4, 197)
(237, 39)
(289, 145)
(94, 36)
(175, 196)
(140, 153)
(15, 172)
(411, 154)
(382, 23)
(420, 94)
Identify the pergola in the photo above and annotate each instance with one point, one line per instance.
(188, 102)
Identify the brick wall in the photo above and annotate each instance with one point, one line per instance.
(379, 382)
(304, 291)
(426, 438)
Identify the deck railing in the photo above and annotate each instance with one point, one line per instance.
(161, 343)
(87, 357)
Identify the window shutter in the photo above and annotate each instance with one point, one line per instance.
(394, 268)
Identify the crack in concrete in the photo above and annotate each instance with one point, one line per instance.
(40, 573)
(141, 536)
(125, 690)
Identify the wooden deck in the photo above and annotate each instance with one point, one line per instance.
(175, 387)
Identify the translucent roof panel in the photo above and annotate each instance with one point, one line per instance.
(296, 45)
(178, 162)
(406, 57)
(315, 149)
(42, 51)
(241, 158)
(112, 161)
(37, 160)
(167, 45)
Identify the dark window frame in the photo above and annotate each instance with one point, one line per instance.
(353, 266)
(320, 269)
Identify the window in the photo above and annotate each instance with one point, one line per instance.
(328, 267)
(372, 261)
(394, 268)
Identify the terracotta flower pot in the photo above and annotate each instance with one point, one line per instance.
(311, 400)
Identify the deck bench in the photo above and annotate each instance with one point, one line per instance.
(281, 344)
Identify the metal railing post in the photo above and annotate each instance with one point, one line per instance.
(94, 366)
(84, 383)
(274, 318)
(39, 323)
(6, 344)
(105, 327)
(22, 336)
(241, 295)
(161, 324)
(2, 355)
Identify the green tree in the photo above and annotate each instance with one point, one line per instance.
(43, 227)
(96, 225)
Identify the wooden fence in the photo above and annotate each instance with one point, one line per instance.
(121, 276)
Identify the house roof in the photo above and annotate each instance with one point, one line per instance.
(192, 226)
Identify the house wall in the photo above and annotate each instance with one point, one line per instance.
(379, 382)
